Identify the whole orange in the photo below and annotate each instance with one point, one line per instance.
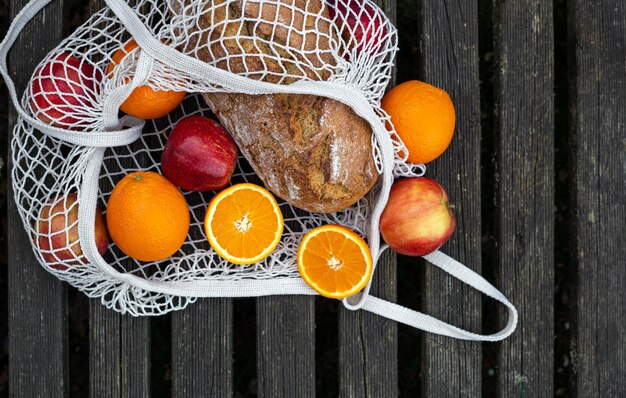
(423, 116)
(144, 102)
(147, 215)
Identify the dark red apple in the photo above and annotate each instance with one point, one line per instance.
(199, 155)
(363, 28)
(64, 92)
(417, 219)
(57, 232)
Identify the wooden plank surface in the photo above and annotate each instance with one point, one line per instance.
(202, 349)
(285, 346)
(202, 343)
(449, 55)
(368, 344)
(598, 104)
(524, 132)
(38, 357)
(119, 347)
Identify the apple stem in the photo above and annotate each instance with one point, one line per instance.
(164, 134)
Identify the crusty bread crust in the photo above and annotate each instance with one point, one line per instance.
(311, 151)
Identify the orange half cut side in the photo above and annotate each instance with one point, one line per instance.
(334, 261)
(243, 223)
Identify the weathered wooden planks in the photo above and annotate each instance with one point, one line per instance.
(37, 300)
(524, 136)
(119, 347)
(449, 55)
(202, 349)
(598, 141)
(285, 346)
(368, 344)
(202, 343)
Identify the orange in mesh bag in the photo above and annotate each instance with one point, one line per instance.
(290, 80)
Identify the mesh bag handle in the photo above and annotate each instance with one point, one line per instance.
(128, 130)
(429, 324)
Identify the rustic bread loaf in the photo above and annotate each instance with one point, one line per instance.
(309, 150)
(313, 152)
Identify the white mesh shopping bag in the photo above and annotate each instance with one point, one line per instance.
(78, 144)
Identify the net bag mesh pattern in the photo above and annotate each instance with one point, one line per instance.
(68, 154)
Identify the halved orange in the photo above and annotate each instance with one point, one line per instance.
(334, 261)
(243, 223)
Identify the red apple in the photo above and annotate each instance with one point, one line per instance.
(57, 232)
(64, 92)
(417, 219)
(363, 26)
(199, 155)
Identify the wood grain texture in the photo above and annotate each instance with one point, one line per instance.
(449, 55)
(119, 345)
(285, 346)
(368, 344)
(524, 135)
(598, 108)
(119, 353)
(38, 357)
(202, 339)
(202, 349)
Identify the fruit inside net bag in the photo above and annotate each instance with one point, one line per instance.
(298, 84)
(281, 76)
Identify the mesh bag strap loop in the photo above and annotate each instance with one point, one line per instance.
(132, 126)
(429, 324)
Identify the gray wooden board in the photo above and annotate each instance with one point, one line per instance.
(202, 338)
(202, 345)
(285, 342)
(598, 108)
(368, 344)
(38, 357)
(119, 352)
(202, 349)
(524, 135)
(119, 345)
(449, 55)
(285, 346)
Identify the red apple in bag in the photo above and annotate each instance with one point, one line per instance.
(199, 155)
(417, 219)
(64, 92)
(363, 27)
(57, 232)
